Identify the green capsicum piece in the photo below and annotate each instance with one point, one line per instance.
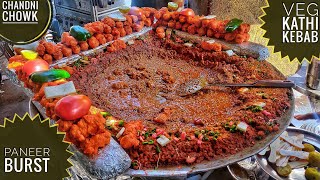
(233, 24)
(80, 33)
(48, 76)
(197, 133)
(121, 123)
(105, 114)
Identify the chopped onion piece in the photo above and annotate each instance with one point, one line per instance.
(283, 160)
(242, 126)
(263, 152)
(298, 164)
(162, 140)
(274, 147)
(188, 44)
(243, 90)
(120, 132)
(298, 154)
(292, 141)
(110, 121)
(209, 17)
(230, 53)
(130, 42)
(261, 104)
(211, 41)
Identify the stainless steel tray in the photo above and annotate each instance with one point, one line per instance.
(309, 137)
(223, 161)
(84, 162)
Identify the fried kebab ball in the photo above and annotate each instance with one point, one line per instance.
(57, 53)
(178, 25)
(166, 16)
(160, 32)
(230, 36)
(129, 138)
(192, 29)
(243, 28)
(185, 27)
(41, 49)
(128, 30)
(116, 45)
(138, 26)
(48, 58)
(128, 21)
(240, 38)
(107, 29)
(197, 25)
(122, 32)
(92, 145)
(148, 11)
(134, 19)
(175, 15)
(93, 42)
(194, 20)
(50, 108)
(115, 33)
(108, 21)
(89, 133)
(202, 31)
(84, 46)
(101, 38)
(66, 51)
(171, 23)
(76, 49)
(108, 37)
(205, 23)
(64, 126)
(119, 24)
(50, 47)
(95, 27)
(148, 22)
(164, 23)
(210, 32)
(68, 40)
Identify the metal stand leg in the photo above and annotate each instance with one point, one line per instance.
(1, 78)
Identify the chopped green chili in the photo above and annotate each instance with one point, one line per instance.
(151, 142)
(121, 123)
(211, 133)
(254, 108)
(158, 149)
(105, 114)
(233, 24)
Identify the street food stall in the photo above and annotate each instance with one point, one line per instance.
(170, 91)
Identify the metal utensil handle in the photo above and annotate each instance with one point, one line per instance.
(275, 83)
